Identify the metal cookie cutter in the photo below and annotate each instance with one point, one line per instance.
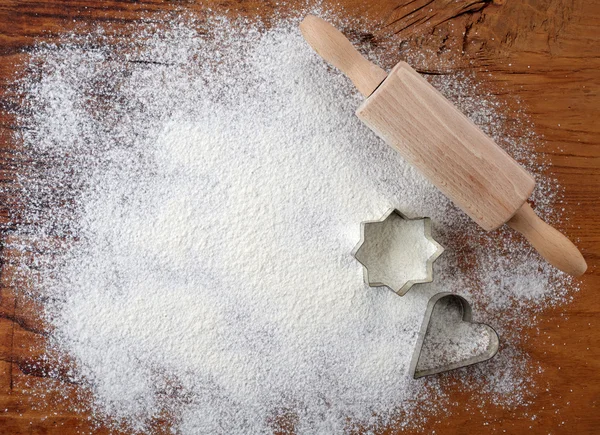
(397, 251)
(450, 334)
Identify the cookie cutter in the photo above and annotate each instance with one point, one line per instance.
(374, 235)
(466, 316)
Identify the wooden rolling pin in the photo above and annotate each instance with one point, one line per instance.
(433, 135)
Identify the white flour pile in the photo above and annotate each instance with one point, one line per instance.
(193, 200)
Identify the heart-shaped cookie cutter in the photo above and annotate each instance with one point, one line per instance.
(466, 316)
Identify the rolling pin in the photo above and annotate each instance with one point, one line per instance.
(447, 147)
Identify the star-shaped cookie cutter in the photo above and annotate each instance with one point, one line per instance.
(385, 249)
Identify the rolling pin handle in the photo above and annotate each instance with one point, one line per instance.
(549, 242)
(335, 48)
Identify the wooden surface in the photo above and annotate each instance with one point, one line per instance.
(542, 56)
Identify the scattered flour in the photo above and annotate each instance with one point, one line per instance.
(193, 197)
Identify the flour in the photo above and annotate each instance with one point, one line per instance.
(196, 200)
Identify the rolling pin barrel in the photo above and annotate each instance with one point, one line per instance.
(447, 147)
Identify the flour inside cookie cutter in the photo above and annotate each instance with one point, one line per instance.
(397, 251)
(448, 338)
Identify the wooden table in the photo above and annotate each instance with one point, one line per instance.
(546, 52)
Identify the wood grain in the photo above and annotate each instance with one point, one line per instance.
(540, 56)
